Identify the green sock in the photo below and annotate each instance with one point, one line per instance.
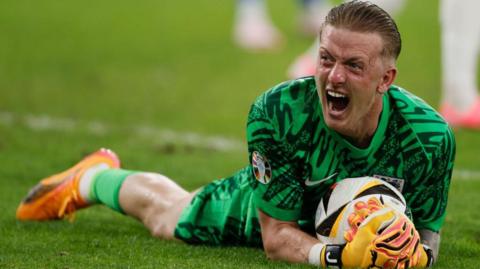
(106, 187)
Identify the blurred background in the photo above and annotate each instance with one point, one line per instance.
(163, 84)
(98, 71)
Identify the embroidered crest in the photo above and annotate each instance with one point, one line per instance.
(261, 168)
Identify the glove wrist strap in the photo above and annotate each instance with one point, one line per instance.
(429, 253)
(332, 256)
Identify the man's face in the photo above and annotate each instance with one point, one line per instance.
(351, 77)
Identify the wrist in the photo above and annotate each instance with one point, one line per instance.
(315, 253)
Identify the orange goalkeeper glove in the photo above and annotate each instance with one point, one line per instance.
(379, 237)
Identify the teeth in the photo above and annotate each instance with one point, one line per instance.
(336, 94)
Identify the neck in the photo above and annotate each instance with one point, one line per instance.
(363, 141)
(365, 132)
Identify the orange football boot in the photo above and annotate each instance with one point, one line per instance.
(57, 196)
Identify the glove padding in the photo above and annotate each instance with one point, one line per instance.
(379, 237)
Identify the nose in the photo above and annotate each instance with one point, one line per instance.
(337, 74)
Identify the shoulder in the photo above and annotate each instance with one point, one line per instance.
(290, 93)
(426, 123)
(285, 109)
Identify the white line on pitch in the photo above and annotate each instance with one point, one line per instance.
(466, 174)
(41, 123)
(161, 135)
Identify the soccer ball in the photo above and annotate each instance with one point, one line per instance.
(331, 219)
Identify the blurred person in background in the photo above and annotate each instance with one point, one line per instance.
(255, 31)
(460, 41)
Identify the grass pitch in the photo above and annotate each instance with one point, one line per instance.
(135, 76)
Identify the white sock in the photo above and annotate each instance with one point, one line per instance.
(86, 181)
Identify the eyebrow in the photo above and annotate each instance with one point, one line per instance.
(354, 59)
(351, 59)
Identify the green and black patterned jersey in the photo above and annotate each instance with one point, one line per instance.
(413, 148)
(295, 158)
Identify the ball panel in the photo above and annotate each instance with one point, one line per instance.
(331, 219)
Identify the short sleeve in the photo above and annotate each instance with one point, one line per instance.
(276, 190)
(429, 207)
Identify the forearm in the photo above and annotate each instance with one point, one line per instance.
(285, 241)
(290, 244)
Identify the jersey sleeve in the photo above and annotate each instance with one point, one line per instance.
(429, 212)
(276, 191)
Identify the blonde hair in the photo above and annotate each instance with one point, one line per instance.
(362, 16)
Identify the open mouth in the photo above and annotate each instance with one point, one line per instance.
(337, 101)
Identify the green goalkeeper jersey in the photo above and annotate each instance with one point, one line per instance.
(295, 158)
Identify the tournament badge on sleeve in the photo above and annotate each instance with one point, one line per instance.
(261, 168)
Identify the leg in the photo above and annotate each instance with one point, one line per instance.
(60, 195)
(155, 200)
(152, 198)
(312, 15)
(304, 65)
(253, 28)
(460, 42)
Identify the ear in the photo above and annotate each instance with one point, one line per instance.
(387, 79)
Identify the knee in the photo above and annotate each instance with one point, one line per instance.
(155, 200)
(143, 194)
(163, 230)
(153, 191)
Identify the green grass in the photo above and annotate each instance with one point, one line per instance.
(168, 65)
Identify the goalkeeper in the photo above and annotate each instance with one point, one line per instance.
(349, 120)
